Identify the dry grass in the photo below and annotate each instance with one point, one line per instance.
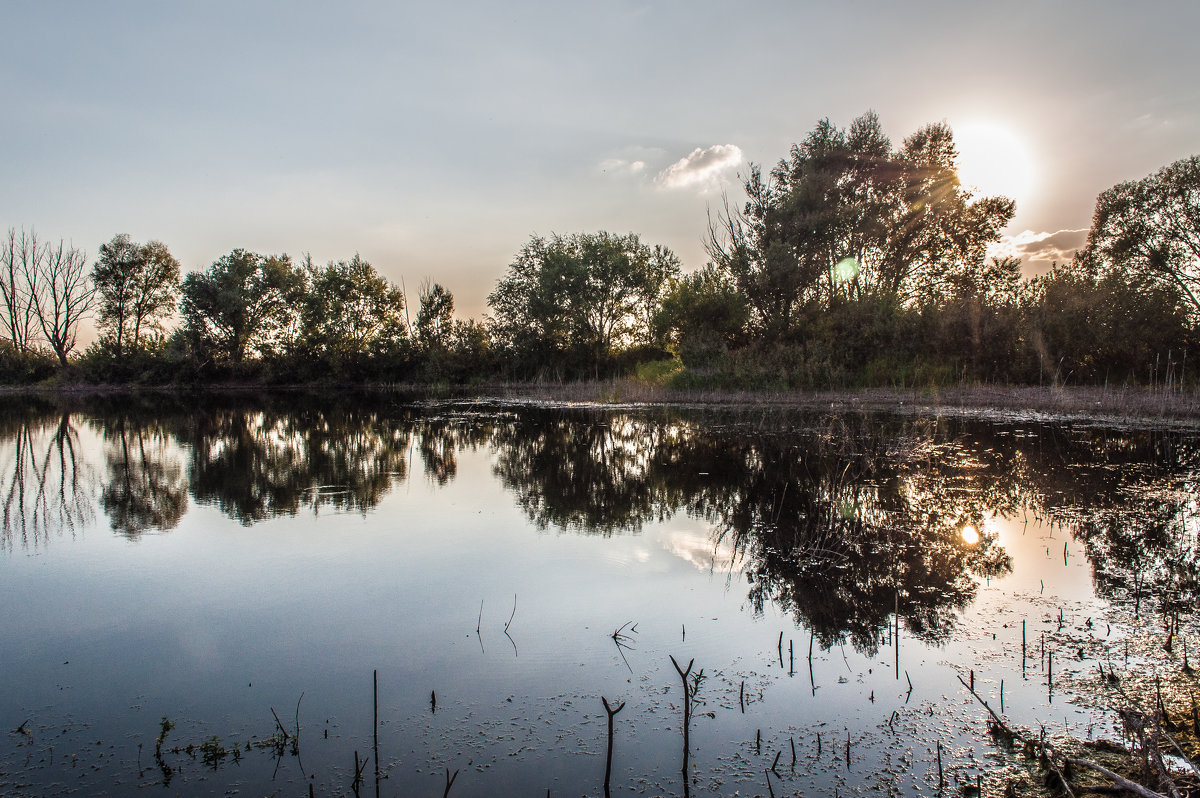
(1121, 404)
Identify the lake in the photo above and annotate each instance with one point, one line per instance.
(460, 585)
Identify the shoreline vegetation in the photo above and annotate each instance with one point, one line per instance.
(854, 263)
(1114, 404)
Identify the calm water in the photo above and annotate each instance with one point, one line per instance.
(221, 564)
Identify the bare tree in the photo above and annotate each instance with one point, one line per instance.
(20, 254)
(62, 295)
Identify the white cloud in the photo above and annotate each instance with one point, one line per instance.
(1030, 246)
(701, 168)
(622, 166)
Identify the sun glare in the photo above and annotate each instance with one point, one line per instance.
(970, 535)
(992, 161)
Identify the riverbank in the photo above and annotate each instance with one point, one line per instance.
(1118, 404)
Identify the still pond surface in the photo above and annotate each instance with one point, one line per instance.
(229, 570)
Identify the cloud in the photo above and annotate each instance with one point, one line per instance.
(622, 166)
(1030, 246)
(701, 168)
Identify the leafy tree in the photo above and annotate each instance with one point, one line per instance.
(351, 311)
(847, 217)
(138, 285)
(114, 275)
(435, 319)
(1151, 227)
(704, 313)
(588, 294)
(155, 290)
(1088, 326)
(242, 305)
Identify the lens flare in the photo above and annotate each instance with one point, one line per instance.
(846, 270)
(970, 535)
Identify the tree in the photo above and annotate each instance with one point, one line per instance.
(138, 286)
(435, 319)
(156, 290)
(705, 314)
(846, 217)
(1087, 325)
(114, 275)
(351, 311)
(588, 294)
(62, 296)
(1151, 227)
(18, 260)
(243, 304)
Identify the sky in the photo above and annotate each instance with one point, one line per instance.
(435, 139)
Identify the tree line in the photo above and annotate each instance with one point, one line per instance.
(852, 262)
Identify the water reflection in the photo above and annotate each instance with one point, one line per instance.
(836, 525)
(145, 487)
(850, 523)
(47, 490)
(256, 464)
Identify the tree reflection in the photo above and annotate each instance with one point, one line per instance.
(851, 523)
(145, 487)
(832, 526)
(830, 523)
(587, 475)
(1140, 531)
(256, 464)
(46, 489)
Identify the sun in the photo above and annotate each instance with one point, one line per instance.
(992, 160)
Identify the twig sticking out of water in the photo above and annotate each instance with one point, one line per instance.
(359, 767)
(508, 623)
(608, 761)
(375, 727)
(449, 782)
(433, 701)
(687, 711)
(624, 641)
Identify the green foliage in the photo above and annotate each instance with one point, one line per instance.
(661, 373)
(158, 361)
(245, 304)
(137, 285)
(352, 320)
(25, 368)
(435, 319)
(1090, 327)
(703, 314)
(571, 303)
(846, 217)
(1150, 229)
(213, 752)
